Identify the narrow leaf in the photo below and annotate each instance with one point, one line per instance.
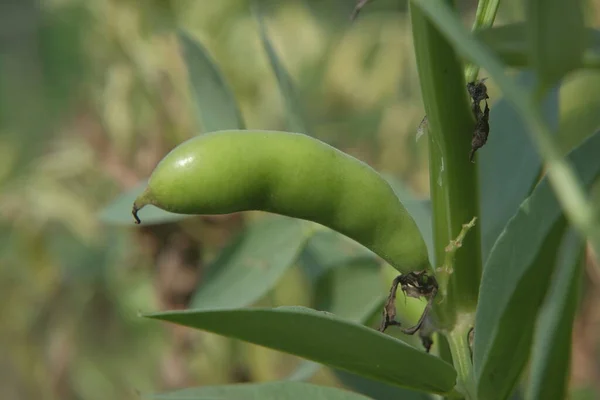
(552, 350)
(509, 164)
(296, 120)
(248, 268)
(261, 391)
(353, 290)
(509, 43)
(328, 249)
(580, 102)
(556, 37)
(484, 18)
(512, 285)
(216, 105)
(519, 313)
(419, 210)
(377, 390)
(118, 212)
(328, 339)
(486, 14)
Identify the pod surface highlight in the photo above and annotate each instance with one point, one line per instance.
(290, 174)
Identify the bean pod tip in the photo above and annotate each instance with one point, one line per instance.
(138, 204)
(134, 212)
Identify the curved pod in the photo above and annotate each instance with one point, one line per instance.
(289, 174)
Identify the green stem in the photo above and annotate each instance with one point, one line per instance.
(453, 178)
(484, 18)
(566, 185)
(458, 340)
(447, 268)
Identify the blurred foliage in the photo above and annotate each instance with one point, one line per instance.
(93, 93)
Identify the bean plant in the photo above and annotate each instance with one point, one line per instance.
(494, 256)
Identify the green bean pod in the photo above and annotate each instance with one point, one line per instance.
(289, 174)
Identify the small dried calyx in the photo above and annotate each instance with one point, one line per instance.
(478, 92)
(481, 131)
(414, 284)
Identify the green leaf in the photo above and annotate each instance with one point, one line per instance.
(354, 290)
(484, 18)
(296, 119)
(43, 74)
(118, 212)
(419, 210)
(328, 339)
(248, 268)
(552, 349)
(519, 313)
(84, 262)
(328, 249)
(509, 164)
(556, 36)
(377, 390)
(514, 280)
(580, 102)
(261, 391)
(216, 105)
(509, 43)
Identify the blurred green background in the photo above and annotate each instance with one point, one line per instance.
(94, 92)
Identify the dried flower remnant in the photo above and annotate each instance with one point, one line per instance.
(481, 131)
(414, 284)
(478, 92)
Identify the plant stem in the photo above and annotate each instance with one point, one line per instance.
(484, 18)
(447, 267)
(458, 340)
(566, 185)
(453, 178)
